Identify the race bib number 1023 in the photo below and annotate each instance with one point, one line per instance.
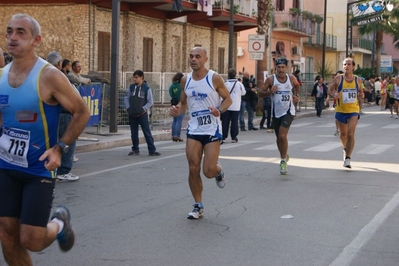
(14, 146)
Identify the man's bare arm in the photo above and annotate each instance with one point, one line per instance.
(265, 91)
(56, 88)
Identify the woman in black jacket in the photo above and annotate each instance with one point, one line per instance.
(320, 93)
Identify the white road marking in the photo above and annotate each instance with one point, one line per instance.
(375, 149)
(391, 126)
(325, 147)
(273, 147)
(301, 124)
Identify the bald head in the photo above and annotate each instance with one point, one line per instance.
(246, 74)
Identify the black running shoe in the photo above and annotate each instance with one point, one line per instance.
(66, 238)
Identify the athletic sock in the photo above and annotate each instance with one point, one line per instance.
(347, 157)
(200, 204)
(60, 224)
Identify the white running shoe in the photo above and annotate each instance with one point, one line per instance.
(391, 116)
(196, 213)
(336, 133)
(220, 181)
(75, 159)
(68, 177)
(347, 163)
(283, 165)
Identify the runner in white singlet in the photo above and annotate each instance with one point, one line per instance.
(279, 86)
(201, 93)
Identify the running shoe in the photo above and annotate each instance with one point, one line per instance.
(75, 159)
(391, 116)
(220, 180)
(344, 154)
(196, 213)
(66, 238)
(68, 177)
(336, 133)
(283, 165)
(347, 163)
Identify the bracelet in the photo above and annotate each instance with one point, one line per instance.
(220, 110)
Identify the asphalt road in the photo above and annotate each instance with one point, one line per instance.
(132, 210)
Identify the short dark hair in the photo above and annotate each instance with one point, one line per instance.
(139, 73)
(339, 72)
(231, 73)
(74, 63)
(65, 62)
(177, 77)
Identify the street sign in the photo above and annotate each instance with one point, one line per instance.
(386, 64)
(256, 43)
(256, 56)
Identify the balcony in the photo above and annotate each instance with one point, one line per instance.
(295, 25)
(317, 41)
(244, 12)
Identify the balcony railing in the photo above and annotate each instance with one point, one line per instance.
(248, 8)
(365, 44)
(317, 39)
(295, 23)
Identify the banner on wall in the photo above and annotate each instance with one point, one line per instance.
(92, 95)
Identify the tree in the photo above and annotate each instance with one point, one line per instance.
(388, 25)
(264, 17)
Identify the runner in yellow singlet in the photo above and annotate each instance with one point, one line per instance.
(347, 89)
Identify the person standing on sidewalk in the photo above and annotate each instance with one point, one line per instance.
(247, 102)
(279, 86)
(174, 92)
(29, 152)
(64, 170)
(347, 89)
(201, 92)
(230, 117)
(320, 93)
(138, 101)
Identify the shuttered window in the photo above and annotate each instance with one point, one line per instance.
(104, 51)
(147, 54)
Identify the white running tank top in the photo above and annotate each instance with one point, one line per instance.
(282, 102)
(200, 96)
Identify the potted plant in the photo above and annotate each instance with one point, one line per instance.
(295, 11)
(318, 18)
(307, 14)
(286, 24)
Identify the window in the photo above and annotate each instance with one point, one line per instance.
(296, 4)
(147, 54)
(104, 51)
(221, 61)
(280, 5)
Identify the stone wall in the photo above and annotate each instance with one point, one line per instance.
(72, 30)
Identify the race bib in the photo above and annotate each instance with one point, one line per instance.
(203, 118)
(282, 98)
(349, 95)
(14, 146)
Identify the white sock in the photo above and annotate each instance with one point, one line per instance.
(60, 224)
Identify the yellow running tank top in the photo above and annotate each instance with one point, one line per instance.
(348, 101)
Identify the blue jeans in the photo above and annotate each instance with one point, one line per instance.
(246, 106)
(319, 105)
(66, 158)
(176, 125)
(145, 127)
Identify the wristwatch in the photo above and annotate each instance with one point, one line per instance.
(64, 147)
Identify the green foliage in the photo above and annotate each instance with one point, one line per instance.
(295, 11)
(329, 70)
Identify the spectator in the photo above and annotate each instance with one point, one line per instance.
(74, 75)
(175, 92)
(297, 76)
(247, 102)
(377, 86)
(232, 113)
(66, 66)
(320, 93)
(2, 60)
(138, 102)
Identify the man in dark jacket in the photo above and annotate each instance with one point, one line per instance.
(138, 102)
(248, 102)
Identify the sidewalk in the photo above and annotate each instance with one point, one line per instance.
(94, 139)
